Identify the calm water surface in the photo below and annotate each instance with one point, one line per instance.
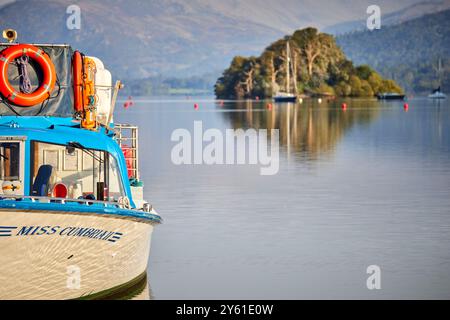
(365, 186)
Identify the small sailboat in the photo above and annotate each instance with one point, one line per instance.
(390, 96)
(437, 94)
(286, 96)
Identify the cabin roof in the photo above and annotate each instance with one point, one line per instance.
(57, 131)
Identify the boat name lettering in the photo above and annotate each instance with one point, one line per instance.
(85, 232)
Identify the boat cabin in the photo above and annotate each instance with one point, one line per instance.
(54, 158)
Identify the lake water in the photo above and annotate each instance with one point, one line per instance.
(365, 186)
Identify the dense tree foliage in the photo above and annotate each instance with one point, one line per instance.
(415, 53)
(318, 66)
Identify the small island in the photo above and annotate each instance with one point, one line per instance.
(308, 63)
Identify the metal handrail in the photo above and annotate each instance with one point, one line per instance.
(62, 200)
(133, 137)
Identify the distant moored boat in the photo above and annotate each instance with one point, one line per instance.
(390, 96)
(437, 94)
(286, 96)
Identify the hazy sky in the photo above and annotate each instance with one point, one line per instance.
(390, 5)
(2, 2)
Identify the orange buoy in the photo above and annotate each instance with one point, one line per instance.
(128, 103)
(196, 106)
(47, 85)
(269, 106)
(406, 107)
(344, 106)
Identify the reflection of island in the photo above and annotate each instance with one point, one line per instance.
(308, 129)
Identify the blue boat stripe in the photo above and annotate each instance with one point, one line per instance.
(80, 209)
(1, 227)
(5, 235)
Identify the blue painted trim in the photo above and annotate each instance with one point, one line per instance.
(78, 208)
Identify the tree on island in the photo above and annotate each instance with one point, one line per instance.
(318, 67)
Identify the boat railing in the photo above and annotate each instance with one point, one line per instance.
(127, 136)
(86, 202)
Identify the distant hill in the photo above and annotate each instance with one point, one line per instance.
(138, 38)
(413, 11)
(176, 38)
(408, 53)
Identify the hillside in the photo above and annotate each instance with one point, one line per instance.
(318, 67)
(175, 38)
(408, 52)
(411, 12)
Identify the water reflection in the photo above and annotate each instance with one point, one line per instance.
(135, 290)
(143, 294)
(307, 130)
(310, 231)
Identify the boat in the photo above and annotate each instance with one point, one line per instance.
(73, 221)
(286, 97)
(437, 94)
(390, 96)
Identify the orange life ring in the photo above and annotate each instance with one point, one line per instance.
(48, 69)
(77, 70)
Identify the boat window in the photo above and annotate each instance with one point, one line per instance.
(10, 170)
(74, 172)
(115, 185)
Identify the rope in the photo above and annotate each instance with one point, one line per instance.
(10, 107)
(25, 82)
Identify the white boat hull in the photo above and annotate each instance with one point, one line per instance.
(61, 255)
(437, 96)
